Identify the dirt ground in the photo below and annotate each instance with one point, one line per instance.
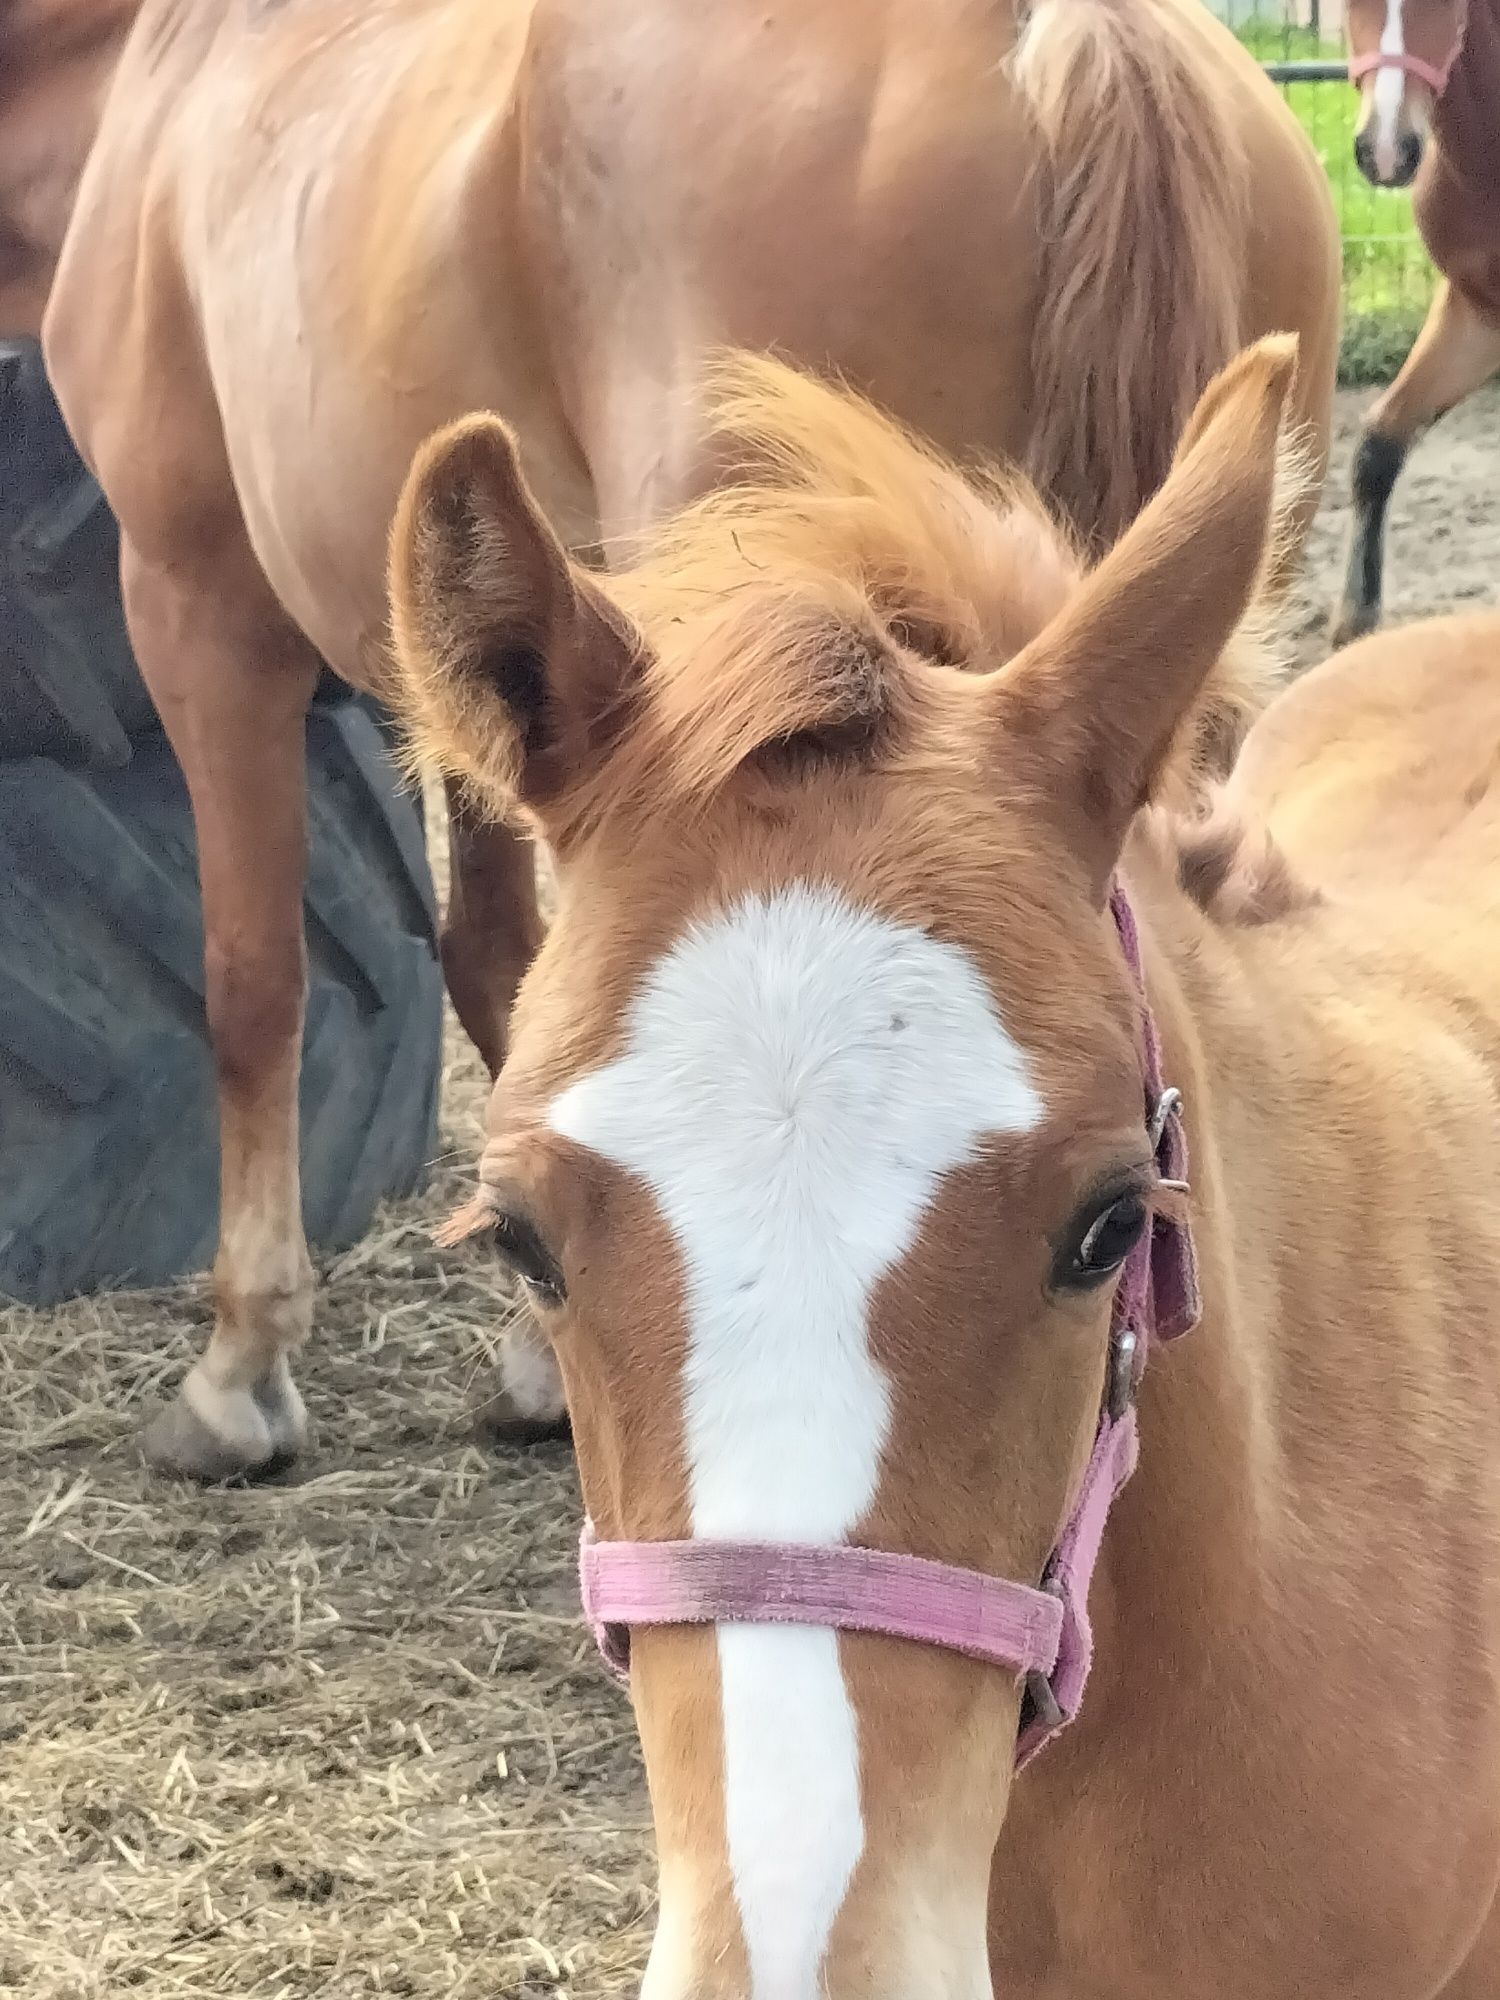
(346, 1736)
(1441, 544)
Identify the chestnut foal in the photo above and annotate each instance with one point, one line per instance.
(835, 1118)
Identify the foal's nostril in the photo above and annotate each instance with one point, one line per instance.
(1403, 159)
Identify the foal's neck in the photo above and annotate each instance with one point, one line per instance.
(1339, 1072)
(1464, 116)
(1203, 1417)
(1301, 1554)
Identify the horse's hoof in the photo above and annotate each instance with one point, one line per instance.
(500, 1424)
(242, 1435)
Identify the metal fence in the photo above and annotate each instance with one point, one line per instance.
(1387, 277)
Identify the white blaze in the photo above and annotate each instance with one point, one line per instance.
(1390, 87)
(797, 1077)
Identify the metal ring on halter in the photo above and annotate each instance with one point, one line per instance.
(1166, 1107)
(1124, 1371)
(1041, 1707)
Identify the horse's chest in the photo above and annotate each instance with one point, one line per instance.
(1247, 1868)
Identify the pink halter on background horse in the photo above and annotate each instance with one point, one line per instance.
(309, 233)
(1434, 75)
(835, 1150)
(1428, 72)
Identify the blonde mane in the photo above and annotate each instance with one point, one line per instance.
(800, 605)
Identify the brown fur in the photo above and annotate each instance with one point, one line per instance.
(1286, 1777)
(56, 59)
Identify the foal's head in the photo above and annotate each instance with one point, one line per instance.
(1400, 52)
(821, 1140)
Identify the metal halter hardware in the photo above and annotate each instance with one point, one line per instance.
(1040, 1634)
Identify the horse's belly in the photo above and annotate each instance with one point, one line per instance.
(336, 347)
(316, 473)
(319, 449)
(873, 215)
(278, 292)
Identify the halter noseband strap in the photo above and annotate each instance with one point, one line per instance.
(1042, 1634)
(786, 1583)
(1435, 76)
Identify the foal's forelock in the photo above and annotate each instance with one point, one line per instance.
(797, 1077)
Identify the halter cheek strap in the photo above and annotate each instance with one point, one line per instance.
(1040, 1634)
(1434, 76)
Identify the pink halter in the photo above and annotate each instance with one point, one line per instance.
(1040, 1634)
(1435, 77)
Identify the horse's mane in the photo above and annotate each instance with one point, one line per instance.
(805, 601)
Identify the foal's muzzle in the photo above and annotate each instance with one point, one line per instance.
(1408, 157)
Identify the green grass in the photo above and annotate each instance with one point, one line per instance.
(1387, 276)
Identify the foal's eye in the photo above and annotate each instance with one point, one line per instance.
(520, 1246)
(1100, 1240)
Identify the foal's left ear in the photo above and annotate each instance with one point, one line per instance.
(512, 665)
(1102, 691)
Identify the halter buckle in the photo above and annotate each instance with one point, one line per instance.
(1124, 1354)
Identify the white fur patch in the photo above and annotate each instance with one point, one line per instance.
(529, 1375)
(1389, 90)
(798, 1076)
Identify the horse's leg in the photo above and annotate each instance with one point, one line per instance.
(232, 680)
(491, 928)
(522, 1402)
(490, 934)
(1455, 353)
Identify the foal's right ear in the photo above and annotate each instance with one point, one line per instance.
(513, 666)
(1103, 693)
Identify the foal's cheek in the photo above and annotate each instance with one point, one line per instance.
(627, 1433)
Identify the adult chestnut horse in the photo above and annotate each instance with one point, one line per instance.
(1429, 74)
(834, 1115)
(310, 232)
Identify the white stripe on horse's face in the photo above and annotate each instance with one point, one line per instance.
(1389, 92)
(798, 1076)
